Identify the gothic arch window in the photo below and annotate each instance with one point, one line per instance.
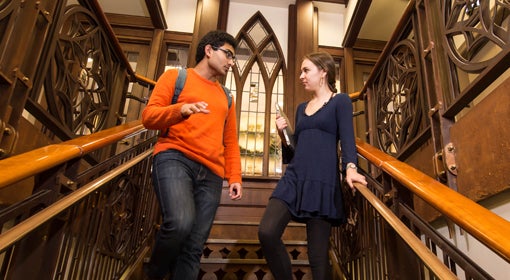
(258, 81)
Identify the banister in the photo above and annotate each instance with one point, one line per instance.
(98, 11)
(354, 95)
(144, 80)
(428, 258)
(25, 227)
(19, 167)
(391, 42)
(489, 228)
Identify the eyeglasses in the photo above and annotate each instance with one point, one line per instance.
(228, 53)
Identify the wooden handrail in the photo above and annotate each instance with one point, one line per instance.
(16, 233)
(144, 80)
(489, 228)
(98, 11)
(355, 95)
(428, 258)
(19, 167)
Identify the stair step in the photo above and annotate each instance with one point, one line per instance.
(245, 251)
(249, 230)
(247, 261)
(250, 242)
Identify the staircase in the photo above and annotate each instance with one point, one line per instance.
(233, 252)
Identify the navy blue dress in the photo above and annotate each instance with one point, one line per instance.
(311, 184)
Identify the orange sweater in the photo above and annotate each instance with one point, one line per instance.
(210, 139)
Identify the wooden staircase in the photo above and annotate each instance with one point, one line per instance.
(233, 252)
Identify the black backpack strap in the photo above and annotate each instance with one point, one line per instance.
(181, 80)
(228, 94)
(179, 84)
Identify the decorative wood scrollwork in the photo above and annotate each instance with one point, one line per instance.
(80, 80)
(399, 100)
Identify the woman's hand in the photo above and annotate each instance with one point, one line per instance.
(281, 123)
(352, 176)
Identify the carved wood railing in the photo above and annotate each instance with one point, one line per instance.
(438, 91)
(444, 58)
(63, 74)
(84, 206)
(82, 222)
(81, 215)
(100, 221)
(367, 249)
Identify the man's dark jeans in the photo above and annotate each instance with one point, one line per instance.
(189, 195)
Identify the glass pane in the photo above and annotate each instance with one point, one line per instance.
(275, 153)
(176, 57)
(270, 58)
(243, 54)
(257, 33)
(252, 123)
(257, 124)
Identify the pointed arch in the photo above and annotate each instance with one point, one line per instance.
(258, 39)
(257, 79)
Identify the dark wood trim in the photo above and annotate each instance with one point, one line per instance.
(334, 51)
(304, 45)
(157, 14)
(345, 2)
(178, 38)
(358, 17)
(132, 22)
(290, 81)
(223, 14)
(315, 29)
(369, 45)
(98, 11)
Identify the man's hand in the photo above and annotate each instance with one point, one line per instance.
(194, 108)
(235, 191)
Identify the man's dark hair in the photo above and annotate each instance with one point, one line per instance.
(216, 38)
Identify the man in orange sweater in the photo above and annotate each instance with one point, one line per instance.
(197, 150)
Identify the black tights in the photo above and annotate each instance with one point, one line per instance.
(273, 223)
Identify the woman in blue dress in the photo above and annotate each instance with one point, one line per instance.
(309, 191)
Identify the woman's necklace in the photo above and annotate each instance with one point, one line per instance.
(331, 96)
(312, 109)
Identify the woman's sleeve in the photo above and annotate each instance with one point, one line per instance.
(288, 152)
(346, 130)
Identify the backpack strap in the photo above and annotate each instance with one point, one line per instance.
(179, 84)
(228, 94)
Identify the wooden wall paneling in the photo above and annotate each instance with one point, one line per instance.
(290, 82)
(156, 48)
(481, 140)
(206, 19)
(304, 44)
